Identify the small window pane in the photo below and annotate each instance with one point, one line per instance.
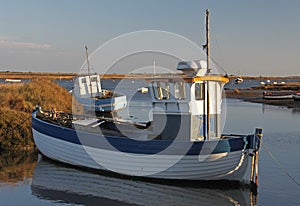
(93, 79)
(199, 91)
(83, 81)
(179, 90)
(161, 90)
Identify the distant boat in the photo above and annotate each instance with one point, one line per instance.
(262, 83)
(238, 80)
(277, 95)
(296, 96)
(278, 83)
(143, 90)
(13, 80)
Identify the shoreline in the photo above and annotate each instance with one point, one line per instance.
(253, 94)
(256, 96)
(70, 75)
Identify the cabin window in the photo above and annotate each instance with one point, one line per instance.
(179, 90)
(83, 81)
(161, 90)
(199, 91)
(93, 79)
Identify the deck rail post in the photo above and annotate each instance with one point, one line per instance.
(255, 155)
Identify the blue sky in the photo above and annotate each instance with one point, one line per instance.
(252, 37)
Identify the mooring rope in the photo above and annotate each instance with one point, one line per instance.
(216, 63)
(281, 166)
(18, 125)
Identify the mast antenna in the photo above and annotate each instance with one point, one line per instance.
(154, 67)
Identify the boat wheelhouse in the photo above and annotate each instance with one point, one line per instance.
(192, 103)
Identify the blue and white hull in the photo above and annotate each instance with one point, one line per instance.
(226, 159)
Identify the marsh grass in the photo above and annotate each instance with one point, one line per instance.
(16, 104)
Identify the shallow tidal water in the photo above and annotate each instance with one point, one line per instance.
(33, 180)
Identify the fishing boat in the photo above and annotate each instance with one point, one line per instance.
(277, 95)
(183, 141)
(88, 92)
(296, 96)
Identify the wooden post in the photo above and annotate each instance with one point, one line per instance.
(252, 168)
(255, 155)
(258, 134)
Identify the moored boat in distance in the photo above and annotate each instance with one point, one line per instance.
(296, 96)
(143, 90)
(238, 80)
(277, 95)
(13, 80)
(182, 141)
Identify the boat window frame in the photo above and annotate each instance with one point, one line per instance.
(199, 91)
(179, 93)
(161, 92)
(83, 80)
(94, 79)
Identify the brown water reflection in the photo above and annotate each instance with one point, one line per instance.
(16, 167)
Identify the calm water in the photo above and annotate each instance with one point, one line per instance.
(35, 181)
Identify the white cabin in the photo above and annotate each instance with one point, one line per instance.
(186, 107)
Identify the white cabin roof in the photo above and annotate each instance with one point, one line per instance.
(193, 68)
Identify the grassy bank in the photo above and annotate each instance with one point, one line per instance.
(16, 104)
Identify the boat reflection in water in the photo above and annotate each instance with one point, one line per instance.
(60, 183)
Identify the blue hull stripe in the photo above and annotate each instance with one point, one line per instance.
(127, 145)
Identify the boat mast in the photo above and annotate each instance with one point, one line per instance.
(88, 66)
(207, 46)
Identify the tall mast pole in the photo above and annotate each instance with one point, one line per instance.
(207, 41)
(208, 71)
(88, 66)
